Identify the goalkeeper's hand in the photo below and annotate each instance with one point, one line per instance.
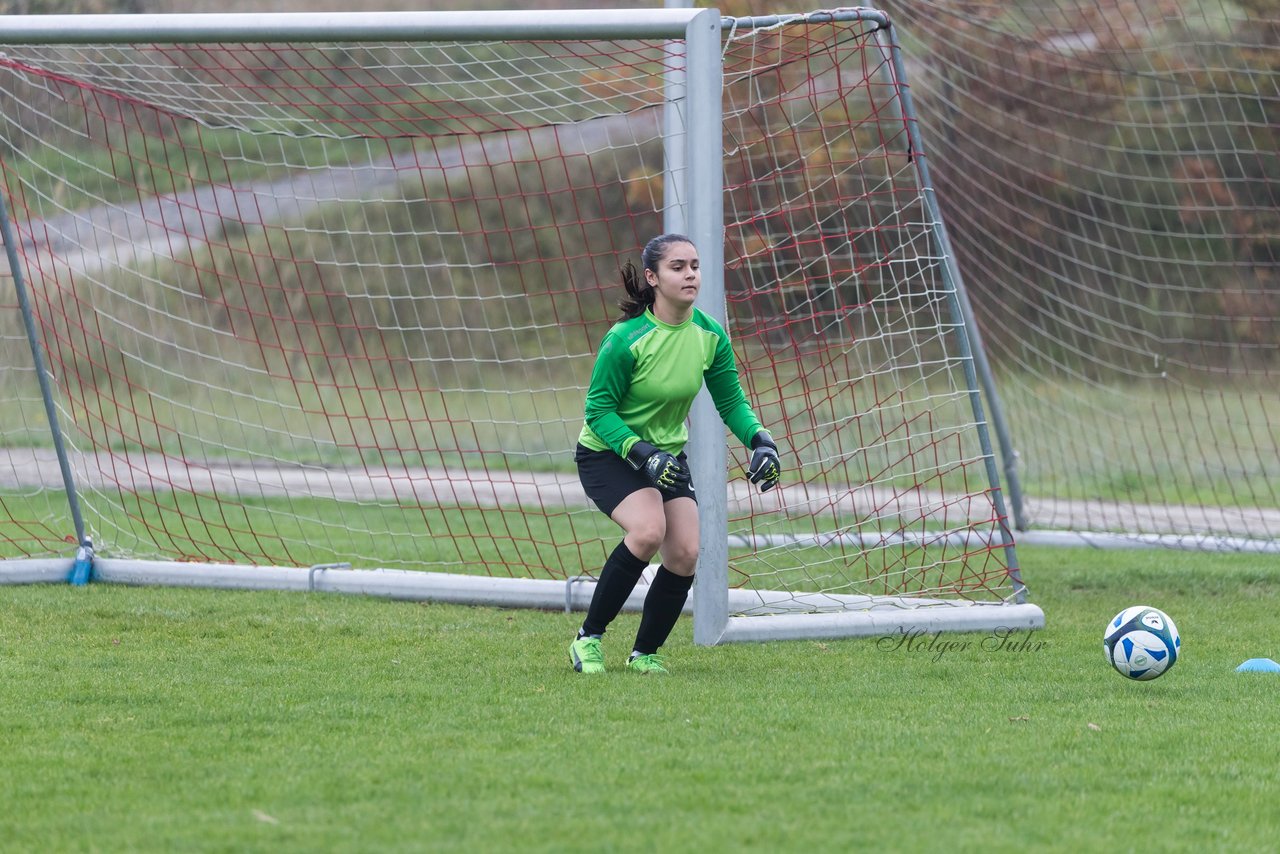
(662, 468)
(765, 468)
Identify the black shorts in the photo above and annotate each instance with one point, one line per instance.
(607, 479)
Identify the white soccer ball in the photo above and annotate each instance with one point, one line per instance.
(1141, 642)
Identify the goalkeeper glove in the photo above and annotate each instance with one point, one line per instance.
(663, 469)
(765, 468)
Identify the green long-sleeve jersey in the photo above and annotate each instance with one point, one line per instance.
(646, 376)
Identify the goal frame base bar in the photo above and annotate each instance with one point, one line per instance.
(1175, 542)
(765, 614)
(885, 620)
(36, 570)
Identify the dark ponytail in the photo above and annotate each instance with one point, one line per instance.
(640, 294)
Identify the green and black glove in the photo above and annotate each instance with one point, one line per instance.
(765, 468)
(662, 468)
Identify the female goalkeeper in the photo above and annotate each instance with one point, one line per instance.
(630, 453)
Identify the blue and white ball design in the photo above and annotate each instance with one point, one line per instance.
(1141, 642)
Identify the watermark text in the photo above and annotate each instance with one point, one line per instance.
(936, 645)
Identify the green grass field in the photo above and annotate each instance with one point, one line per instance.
(156, 719)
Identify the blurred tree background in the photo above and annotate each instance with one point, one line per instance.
(1108, 173)
(1108, 169)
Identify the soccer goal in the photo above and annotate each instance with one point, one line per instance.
(311, 302)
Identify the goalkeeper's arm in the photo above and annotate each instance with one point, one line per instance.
(731, 402)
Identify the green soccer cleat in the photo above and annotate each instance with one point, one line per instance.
(586, 655)
(650, 663)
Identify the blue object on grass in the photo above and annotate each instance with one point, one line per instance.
(82, 569)
(1259, 665)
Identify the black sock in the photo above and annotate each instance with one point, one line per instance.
(662, 608)
(617, 580)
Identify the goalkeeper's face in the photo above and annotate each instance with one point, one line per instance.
(678, 277)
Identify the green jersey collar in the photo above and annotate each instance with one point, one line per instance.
(650, 316)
